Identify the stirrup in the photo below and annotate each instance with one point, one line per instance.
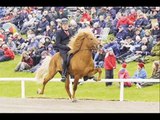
(63, 79)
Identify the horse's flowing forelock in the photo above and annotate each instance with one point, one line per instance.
(76, 41)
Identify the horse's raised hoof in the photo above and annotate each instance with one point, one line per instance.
(95, 79)
(39, 91)
(98, 79)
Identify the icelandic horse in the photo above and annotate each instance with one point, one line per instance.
(81, 64)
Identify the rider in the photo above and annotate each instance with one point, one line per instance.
(62, 39)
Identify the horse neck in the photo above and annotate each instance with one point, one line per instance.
(85, 51)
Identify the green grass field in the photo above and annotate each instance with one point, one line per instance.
(85, 91)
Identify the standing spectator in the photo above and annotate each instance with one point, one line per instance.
(123, 74)
(109, 65)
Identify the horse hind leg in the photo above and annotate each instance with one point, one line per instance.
(67, 86)
(49, 76)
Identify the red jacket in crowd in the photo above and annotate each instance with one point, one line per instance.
(85, 16)
(124, 21)
(9, 53)
(132, 17)
(110, 62)
(2, 36)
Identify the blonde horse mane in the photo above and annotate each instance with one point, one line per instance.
(43, 70)
(76, 41)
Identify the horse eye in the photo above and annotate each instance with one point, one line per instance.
(91, 39)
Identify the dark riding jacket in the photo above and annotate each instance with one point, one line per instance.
(62, 39)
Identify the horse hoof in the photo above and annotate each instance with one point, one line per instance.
(39, 91)
(74, 100)
(95, 79)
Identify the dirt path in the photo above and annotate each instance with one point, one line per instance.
(29, 105)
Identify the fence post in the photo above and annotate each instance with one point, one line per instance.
(121, 91)
(22, 88)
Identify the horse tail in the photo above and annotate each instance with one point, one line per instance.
(43, 70)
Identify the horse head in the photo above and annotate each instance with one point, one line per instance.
(91, 41)
(83, 40)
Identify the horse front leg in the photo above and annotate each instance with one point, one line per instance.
(76, 79)
(94, 71)
(67, 86)
(99, 73)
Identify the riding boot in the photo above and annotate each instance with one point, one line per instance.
(64, 74)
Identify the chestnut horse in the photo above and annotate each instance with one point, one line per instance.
(81, 64)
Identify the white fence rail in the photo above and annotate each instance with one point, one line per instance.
(103, 80)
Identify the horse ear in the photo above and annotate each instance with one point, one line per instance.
(85, 34)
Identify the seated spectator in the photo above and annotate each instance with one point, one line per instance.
(96, 29)
(126, 50)
(155, 52)
(43, 56)
(121, 35)
(156, 70)
(41, 28)
(141, 20)
(145, 48)
(123, 74)
(20, 44)
(74, 26)
(126, 44)
(102, 22)
(130, 31)
(85, 16)
(114, 45)
(140, 74)
(8, 53)
(51, 50)
(155, 74)
(140, 31)
(99, 58)
(124, 21)
(26, 62)
(150, 37)
(140, 52)
(1, 44)
(132, 16)
(114, 28)
(155, 30)
(11, 44)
